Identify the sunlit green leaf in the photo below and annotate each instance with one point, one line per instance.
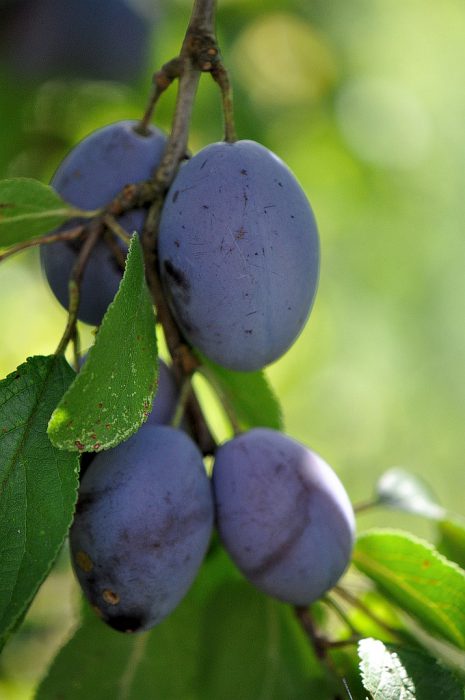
(396, 673)
(112, 394)
(38, 483)
(417, 578)
(28, 208)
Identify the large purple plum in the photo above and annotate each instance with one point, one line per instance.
(283, 515)
(239, 254)
(142, 527)
(89, 177)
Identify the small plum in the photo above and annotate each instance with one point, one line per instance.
(89, 177)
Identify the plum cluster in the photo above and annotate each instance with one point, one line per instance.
(238, 254)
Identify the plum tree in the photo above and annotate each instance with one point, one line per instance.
(282, 514)
(89, 177)
(239, 254)
(77, 38)
(142, 526)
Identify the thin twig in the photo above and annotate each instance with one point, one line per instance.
(66, 235)
(117, 229)
(357, 603)
(306, 622)
(334, 605)
(95, 229)
(161, 80)
(366, 505)
(221, 77)
(184, 394)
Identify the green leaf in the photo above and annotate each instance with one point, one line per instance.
(112, 394)
(394, 673)
(28, 208)
(417, 578)
(247, 395)
(162, 664)
(38, 483)
(452, 542)
(225, 640)
(401, 490)
(252, 647)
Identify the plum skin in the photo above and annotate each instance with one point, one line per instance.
(239, 254)
(92, 173)
(142, 527)
(166, 397)
(282, 515)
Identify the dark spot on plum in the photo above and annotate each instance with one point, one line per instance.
(84, 562)
(248, 330)
(243, 171)
(126, 623)
(292, 216)
(175, 196)
(177, 244)
(239, 235)
(204, 164)
(177, 275)
(205, 206)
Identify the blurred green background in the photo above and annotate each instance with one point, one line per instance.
(364, 100)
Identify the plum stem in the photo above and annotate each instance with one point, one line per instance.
(184, 394)
(366, 505)
(68, 235)
(320, 644)
(95, 231)
(357, 603)
(334, 605)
